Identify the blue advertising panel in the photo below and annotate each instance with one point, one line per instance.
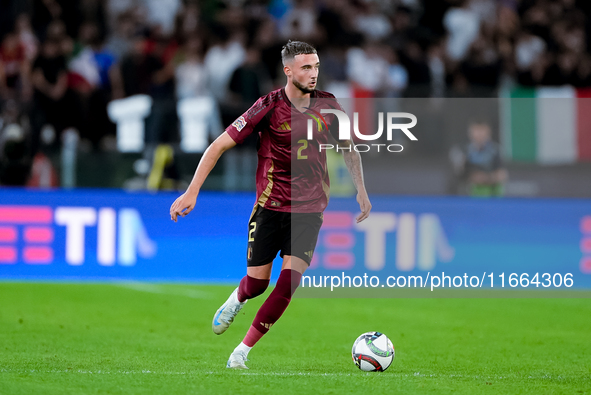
(109, 234)
(491, 239)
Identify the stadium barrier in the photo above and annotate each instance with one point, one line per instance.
(199, 118)
(115, 235)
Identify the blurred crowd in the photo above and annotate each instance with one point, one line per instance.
(63, 61)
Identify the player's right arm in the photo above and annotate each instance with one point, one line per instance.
(234, 134)
(185, 203)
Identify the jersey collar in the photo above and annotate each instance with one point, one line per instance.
(313, 97)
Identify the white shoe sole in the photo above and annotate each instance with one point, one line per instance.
(217, 326)
(236, 366)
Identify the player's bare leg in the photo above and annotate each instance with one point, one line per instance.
(271, 310)
(252, 285)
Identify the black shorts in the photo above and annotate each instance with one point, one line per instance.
(270, 232)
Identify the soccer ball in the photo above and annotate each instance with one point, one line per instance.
(373, 352)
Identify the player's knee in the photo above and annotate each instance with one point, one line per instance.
(260, 288)
(251, 287)
(288, 282)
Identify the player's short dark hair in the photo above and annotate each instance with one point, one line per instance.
(293, 48)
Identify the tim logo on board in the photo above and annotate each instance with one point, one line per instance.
(27, 235)
(419, 241)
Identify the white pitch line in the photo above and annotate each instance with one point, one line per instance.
(123, 372)
(164, 290)
(286, 374)
(417, 374)
(295, 374)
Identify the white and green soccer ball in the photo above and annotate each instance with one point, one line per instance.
(373, 352)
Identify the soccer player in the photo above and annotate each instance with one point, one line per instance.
(292, 190)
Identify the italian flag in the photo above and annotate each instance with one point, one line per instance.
(547, 125)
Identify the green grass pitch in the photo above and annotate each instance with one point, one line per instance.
(140, 338)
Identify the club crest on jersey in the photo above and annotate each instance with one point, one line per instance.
(320, 121)
(240, 123)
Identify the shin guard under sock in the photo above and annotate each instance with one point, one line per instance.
(274, 306)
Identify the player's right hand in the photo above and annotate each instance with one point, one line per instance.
(182, 206)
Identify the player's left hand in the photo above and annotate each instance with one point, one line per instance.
(364, 205)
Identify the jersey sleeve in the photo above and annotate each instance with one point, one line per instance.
(245, 124)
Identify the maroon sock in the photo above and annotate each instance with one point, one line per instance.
(251, 287)
(278, 301)
(252, 336)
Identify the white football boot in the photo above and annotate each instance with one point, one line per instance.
(225, 314)
(237, 360)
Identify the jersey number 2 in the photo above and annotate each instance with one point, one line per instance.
(301, 148)
(250, 234)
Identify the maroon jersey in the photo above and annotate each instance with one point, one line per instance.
(291, 175)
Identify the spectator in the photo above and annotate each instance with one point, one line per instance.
(462, 25)
(94, 11)
(143, 72)
(84, 69)
(47, 11)
(56, 31)
(121, 41)
(247, 85)
(50, 82)
(416, 63)
(249, 81)
(528, 50)
(562, 70)
(191, 74)
(161, 13)
(535, 42)
(397, 79)
(15, 163)
(482, 68)
(334, 65)
(192, 82)
(115, 8)
(584, 72)
(367, 67)
(433, 16)
(11, 113)
(436, 63)
(90, 70)
(336, 19)
(221, 60)
(270, 46)
(402, 28)
(189, 20)
(486, 10)
(44, 11)
(482, 167)
(138, 71)
(161, 125)
(14, 68)
(27, 38)
(300, 22)
(371, 22)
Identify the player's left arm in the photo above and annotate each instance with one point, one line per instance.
(353, 162)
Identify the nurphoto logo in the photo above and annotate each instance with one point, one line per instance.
(345, 130)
